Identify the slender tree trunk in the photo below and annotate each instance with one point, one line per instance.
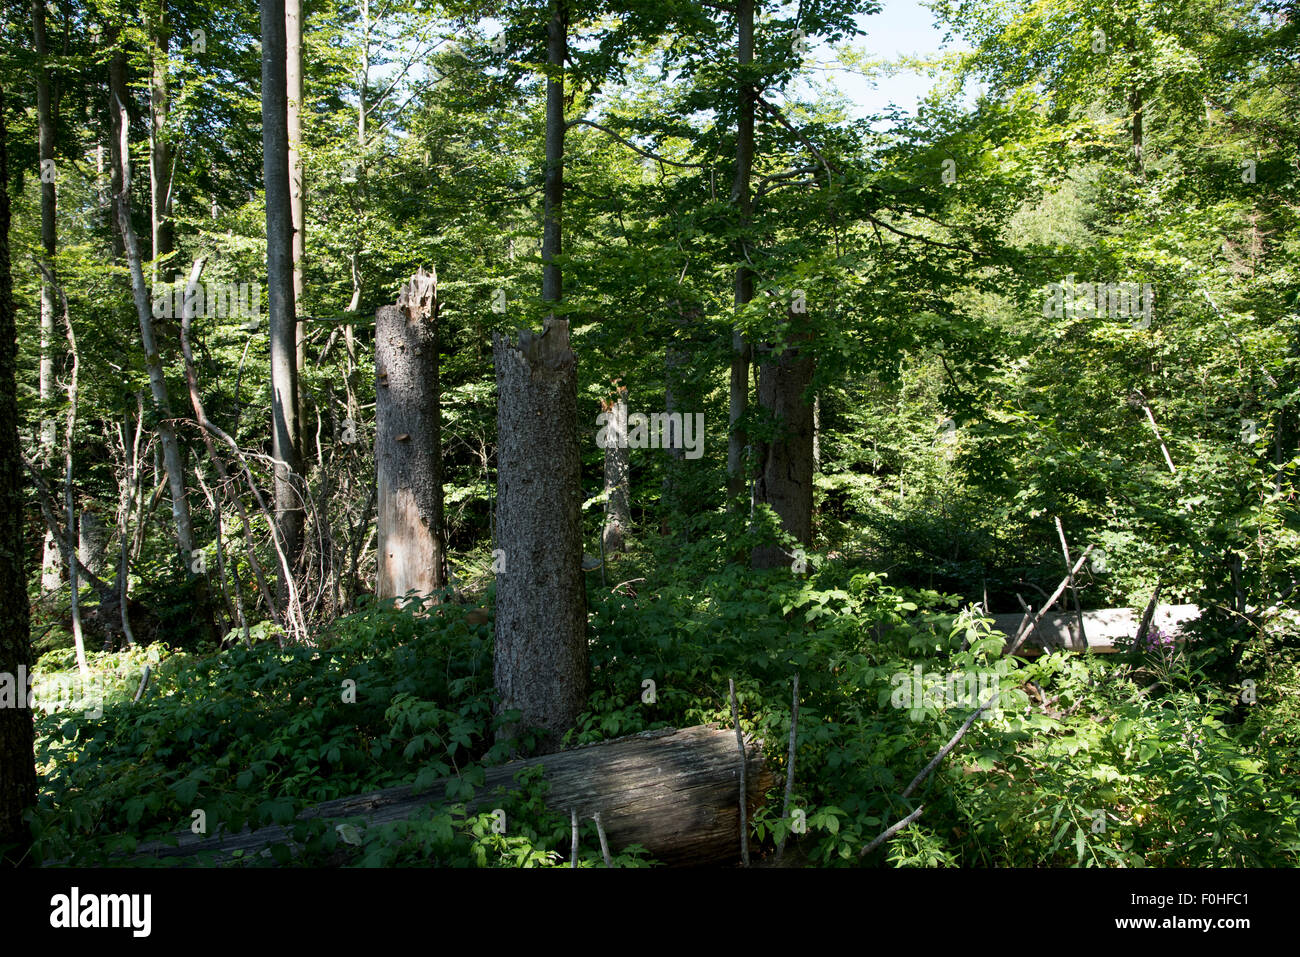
(785, 478)
(171, 452)
(160, 162)
(17, 760)
(297, 195)
(408, 443)
(69, 505)
(51, 572)
(744, 290)
(279, 282)
(541, 600)
(557, 48)
(618, 512)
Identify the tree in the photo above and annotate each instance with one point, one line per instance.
(121, 125)
(540, 662)
(50, 576)
(408, 443)
(17, 760)
(289, 506)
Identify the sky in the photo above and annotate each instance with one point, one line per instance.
(901, 28)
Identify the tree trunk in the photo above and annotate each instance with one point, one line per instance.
(51, 576)
(618, 512)
(17, 760)
(279, 283)
(785, 478)
(541, 599)
(744, 290)
(557, 48)
(408, 443)
(171, 451)
(673, 792)
(297, 194)
(160, 161)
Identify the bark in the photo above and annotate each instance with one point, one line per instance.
(618, 512)
(17, 759)
(51, 576)
(408, 443)
(279, 282)
(294, 104)
(674, 792)
(92, 542)
(167, 439)
(160, 160)
(541, 600)
(785, 478)
(742, 199)
(557, 46)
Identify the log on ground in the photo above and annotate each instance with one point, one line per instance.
(674, 792)
(1104, 627)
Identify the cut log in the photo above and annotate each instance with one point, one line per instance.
(673, 792)
(1102, 627)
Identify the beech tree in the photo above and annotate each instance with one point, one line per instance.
(289, 508)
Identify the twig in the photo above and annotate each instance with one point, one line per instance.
(1047, 606)
(890, 831)
(1074, 591)
(952, 743)
(144, 682)
(789, 764)
(740, 743)
(604, 844)
(925, 772)
(573, 851)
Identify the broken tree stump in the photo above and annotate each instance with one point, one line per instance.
(674, 792)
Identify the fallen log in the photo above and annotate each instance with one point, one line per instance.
(674, 792)
(1103, 627)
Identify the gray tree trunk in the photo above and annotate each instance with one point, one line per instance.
(557, 46)
(785, 477)
(160, 161)
(279, 283)
(744, 290)
(171, 452)
(618, 512)
(297, 196)
(408, 443)
(541, 599)
(51, 570)
(92, 542)
(17, 762)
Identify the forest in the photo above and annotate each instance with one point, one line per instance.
(647, 434)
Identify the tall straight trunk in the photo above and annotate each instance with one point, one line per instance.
(557, 46)
(618, 512)
(17, 758)
(297, 193)
(69, 506)
(171, 451)
(279, 284)
(785, 477)
(744, 285)
(160, 161)
(540, 662)
(408, 443)
(51, 576)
